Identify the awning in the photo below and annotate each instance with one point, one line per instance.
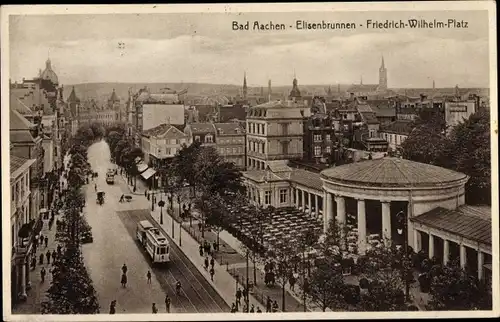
(148, 173)
(141, 167)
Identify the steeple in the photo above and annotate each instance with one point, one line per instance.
(361, 80)
(433, 84)
(457, 91)
(245, 89)
(329, 90)
(294, 93)
(269, 91)
(382, 76)
(383, 64)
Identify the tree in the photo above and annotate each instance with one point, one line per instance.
(283, 255)
(470, 153)
(184, 164)
(453, 289)
(384, 293)
(327, 284)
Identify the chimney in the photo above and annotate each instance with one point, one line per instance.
(351, 95)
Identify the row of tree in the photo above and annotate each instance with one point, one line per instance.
(123, 150)
(71, 290)
(466, 149)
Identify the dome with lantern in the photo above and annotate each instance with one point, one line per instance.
(49, 74)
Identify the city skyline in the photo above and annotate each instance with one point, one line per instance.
(201, 48)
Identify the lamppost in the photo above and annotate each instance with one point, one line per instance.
(236, 284)
(161, 204)
(403, 222)
(153, 193)
(180, 230)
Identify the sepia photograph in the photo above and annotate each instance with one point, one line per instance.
(249, 161)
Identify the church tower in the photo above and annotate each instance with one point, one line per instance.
(269, 91)
(382, 76)
(245, 89)
(294, 93)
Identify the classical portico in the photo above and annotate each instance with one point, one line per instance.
(379, 197)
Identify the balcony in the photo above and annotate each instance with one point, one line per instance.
(26, 237)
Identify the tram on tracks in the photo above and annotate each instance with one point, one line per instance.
(154, 241)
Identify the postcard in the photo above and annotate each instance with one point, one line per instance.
(249, 161)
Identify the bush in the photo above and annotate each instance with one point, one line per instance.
(363, 283)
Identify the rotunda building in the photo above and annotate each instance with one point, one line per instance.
(379, 197)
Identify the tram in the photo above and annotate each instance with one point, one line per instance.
(153, 240)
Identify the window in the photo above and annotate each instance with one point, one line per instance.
(267, 197)
(328, 149)
(317, 137)
(283, 194)
(197, 138)
(328, 137)
(209, 139)
(317, 150)
(235, 150)
(284, 147)
(284, 128)
(13, 193)
(173, 141)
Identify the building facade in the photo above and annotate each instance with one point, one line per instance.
(275, 132)
(162, 143)
(457, 112)
(23, 225)
(230, 143)
(322, 135)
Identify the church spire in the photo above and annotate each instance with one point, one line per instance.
(245, 89)
(361, 80)
(269, 90)
(383, 64)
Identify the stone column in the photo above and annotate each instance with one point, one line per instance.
(463, 256)
(28, 281)
(480, 263)
(316, 205)
(431, 245)
(303, 197)
(341, 216)
(296, 198)
(324, 203)
(326, 213)
(23, 281)
(386, 223)
(361, 227)
(446, 251)
(416, 244)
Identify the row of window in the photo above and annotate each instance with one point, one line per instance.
(319, 137)
(317, 150)
(19, 189)
(283, 195)
(396, 139)
(259, 147)
(208, 138)
(233, 150)
(239, 140)
(256, 128)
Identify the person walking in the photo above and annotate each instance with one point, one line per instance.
(41, 259)
(33, 262)
(41, 239)
(124, 280)
(42, 274)
(112, 307)
(59, 249)
(167, 303)
(54, 255)
(212, 273)
(215, 246)
(212, 262)
(292, 282)
(200, 226)
(206, 263)
(275, 306)
(48, 256)
(95, 187)
(154, 309)
(259, 310)
(268, 304)
(233, 308)
(238, 296)
(245, 308)
(252, 309)
(124, 269)
(46, 241)
(201, 250)
(148, 275)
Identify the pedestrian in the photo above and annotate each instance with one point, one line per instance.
(42, 274)
(124, 280)
(33, 262)
(212, 262)
(199, 226)
(252, 309)
(124, 269)
(112, 309)
(201, 250)
(35, 246)
(206, 263)
(268, 304)
(245, 307)
(48, 256)
(145, 193)
(59, 249)
(46, 241)
(259, 310)
(54, 255)
(148, 275)
(275, 307)
(292, 282)
(167, 303)
(41, 239)
(41, 259)
(121, 198)
(233, 308)
(95, 187)
(154, 309)
(245, 293)
(215, 247)
(238, 296)
(212, 273)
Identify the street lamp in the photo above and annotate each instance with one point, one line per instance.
(403, 222)
(161, 204)
(153, 193)
(180, 229)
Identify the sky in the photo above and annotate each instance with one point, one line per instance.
(203, 48)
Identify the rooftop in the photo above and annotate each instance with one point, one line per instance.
(466, 221)
(228, 128)
(18, 164)
(392, 172)
(202, 127)
(19, 122)
(398, 127)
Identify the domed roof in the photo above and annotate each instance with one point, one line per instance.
(392, 172)
(49, 74)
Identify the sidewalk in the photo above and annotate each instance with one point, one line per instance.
(223, 282)
(36, 290)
